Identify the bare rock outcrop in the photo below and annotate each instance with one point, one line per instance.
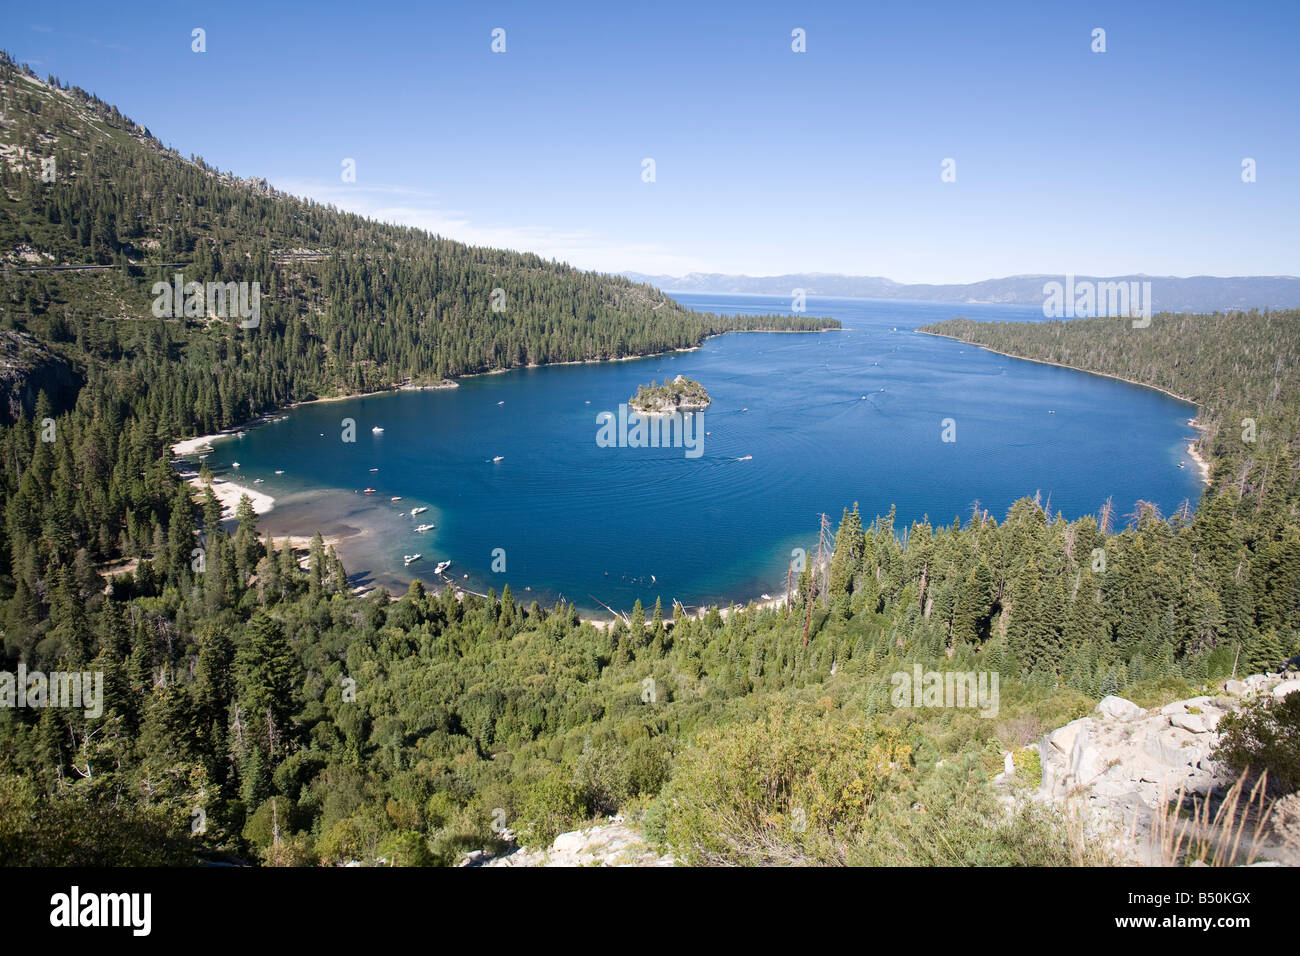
(611, 844)
(1122, 763)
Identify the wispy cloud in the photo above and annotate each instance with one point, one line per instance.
(411, 207)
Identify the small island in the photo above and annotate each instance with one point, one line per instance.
(680, 395)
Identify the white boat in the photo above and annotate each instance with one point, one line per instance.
(257, 481)
(376, 429)
(766, 597)
(280, 472)
(499, 458)
(424, 527)
(234, 464)
(410, 558)
(442, 566)
(419, 511)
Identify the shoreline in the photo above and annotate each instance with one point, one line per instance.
(1073, 368)
(666, 412)
(1202, 463)
(757, 604)
(229, 493)
(188, 446)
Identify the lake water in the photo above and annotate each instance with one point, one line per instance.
(822, 419)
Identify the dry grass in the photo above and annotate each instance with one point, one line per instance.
(1286, 821)
(1207, 836)
(1020, 731)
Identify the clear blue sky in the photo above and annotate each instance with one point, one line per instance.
(767, 161)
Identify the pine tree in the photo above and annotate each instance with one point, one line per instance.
(316, 567)
(846, 560)
(507, 607)
(636, 627)
(265, 680)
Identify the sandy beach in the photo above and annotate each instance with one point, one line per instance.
(228, 493)
(1201, 463)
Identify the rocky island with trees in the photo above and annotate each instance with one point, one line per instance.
(682, 394)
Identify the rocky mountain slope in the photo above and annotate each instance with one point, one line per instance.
(28, 368)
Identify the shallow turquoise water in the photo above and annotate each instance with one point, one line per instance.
(828, 418)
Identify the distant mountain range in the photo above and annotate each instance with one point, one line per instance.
(1168, 293)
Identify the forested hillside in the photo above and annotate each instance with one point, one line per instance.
(348, 304)
(258, 708)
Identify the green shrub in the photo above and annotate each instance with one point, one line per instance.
(352, 838)
(36, 830)
(1264, 736)
(275, 817)
(550, 806)
(406, 848)
(295, 850)
(1029, 766)
(1159, 691)
(954, 818)
(792, 787)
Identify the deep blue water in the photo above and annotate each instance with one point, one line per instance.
(829, 419)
